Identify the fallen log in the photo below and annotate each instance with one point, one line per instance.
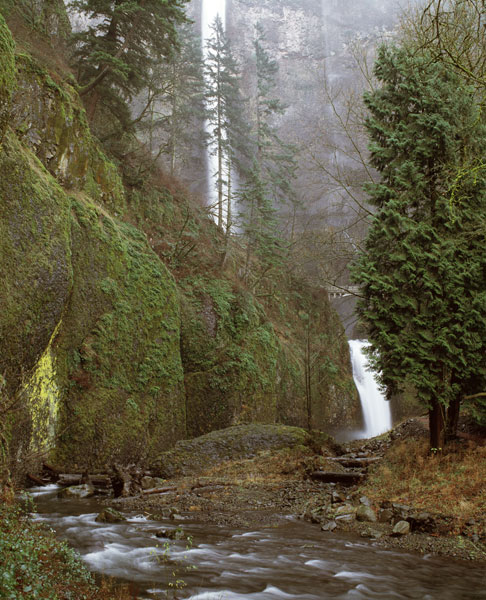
(36, 479)
(343, 478)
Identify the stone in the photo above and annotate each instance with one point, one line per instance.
(147, 483)
(347, 518)
(85, 490)
(337, 497)
(401, 510)
(372, 534)
(364, 500)
(329, 526)
(366, 513)
(110, 515)
(385, 516)
(171, 534)
(345, 509)
(401, 528)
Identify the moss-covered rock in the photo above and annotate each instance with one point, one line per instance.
(35, 268)
(118, 347)
(229, 352)
(7, 74)
(50, 119)
(233, 443)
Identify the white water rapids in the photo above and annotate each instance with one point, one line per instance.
(376, 410)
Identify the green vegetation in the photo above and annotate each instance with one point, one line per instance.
(423, 274)
(7, 73)
(114, 56)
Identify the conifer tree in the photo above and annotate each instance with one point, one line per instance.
(269, 175)
(113, 56)
(423, 274)
(225, 114)
(173, 109)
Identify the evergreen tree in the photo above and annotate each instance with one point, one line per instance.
(113, 56)
(269, 175)
(423, 274)
(225, 108)
(173, 110)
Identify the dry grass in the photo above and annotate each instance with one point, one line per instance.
(267, 467)
(452, 482)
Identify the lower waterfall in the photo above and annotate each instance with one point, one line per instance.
(376, 410)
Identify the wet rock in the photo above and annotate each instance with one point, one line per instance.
(171, 534)
(110, 515)
(366, 513)
(85, 490)
(401, 528)
(329, 526)
(372, 534)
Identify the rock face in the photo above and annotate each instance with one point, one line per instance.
(113, 357)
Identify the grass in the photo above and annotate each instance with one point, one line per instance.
(451, 482)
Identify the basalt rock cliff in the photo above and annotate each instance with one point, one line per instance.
(120, 331)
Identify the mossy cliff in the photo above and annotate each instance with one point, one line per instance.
(120, 331)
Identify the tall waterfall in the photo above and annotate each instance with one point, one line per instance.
(376, 410)
(210, 10)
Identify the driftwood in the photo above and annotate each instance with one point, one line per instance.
(163, 490)
(343, 478)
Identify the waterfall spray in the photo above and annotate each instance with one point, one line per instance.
(376, 410)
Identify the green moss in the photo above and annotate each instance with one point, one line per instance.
(229, 351)
(35, 269)
(119, 346)
(7, 73)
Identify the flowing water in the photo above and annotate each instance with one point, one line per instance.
(294, 562)
(376, 410)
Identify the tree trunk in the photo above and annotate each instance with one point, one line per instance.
(453, 418)
(436, 426)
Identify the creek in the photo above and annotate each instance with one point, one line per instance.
(295, 561)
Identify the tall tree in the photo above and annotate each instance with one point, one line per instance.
(423, 274)
(124, 38)
(173, 104)
(270, 174)
(225, 115)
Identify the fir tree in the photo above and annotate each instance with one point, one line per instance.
(225, 115)
(173, 109)
(423, 274)
(113, 56)
(270, 174)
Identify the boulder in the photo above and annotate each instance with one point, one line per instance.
(366, 513)
(86, 490)
(329, 526)
(401, 528)
(110, 515)
(386, 515)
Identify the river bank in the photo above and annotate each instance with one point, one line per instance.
(440, 508)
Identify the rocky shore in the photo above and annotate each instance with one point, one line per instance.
(257, 476)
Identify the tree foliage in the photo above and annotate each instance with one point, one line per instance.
(423, 273)
(123, 39)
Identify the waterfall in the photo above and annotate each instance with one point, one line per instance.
(210, 10)
(376, 410)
